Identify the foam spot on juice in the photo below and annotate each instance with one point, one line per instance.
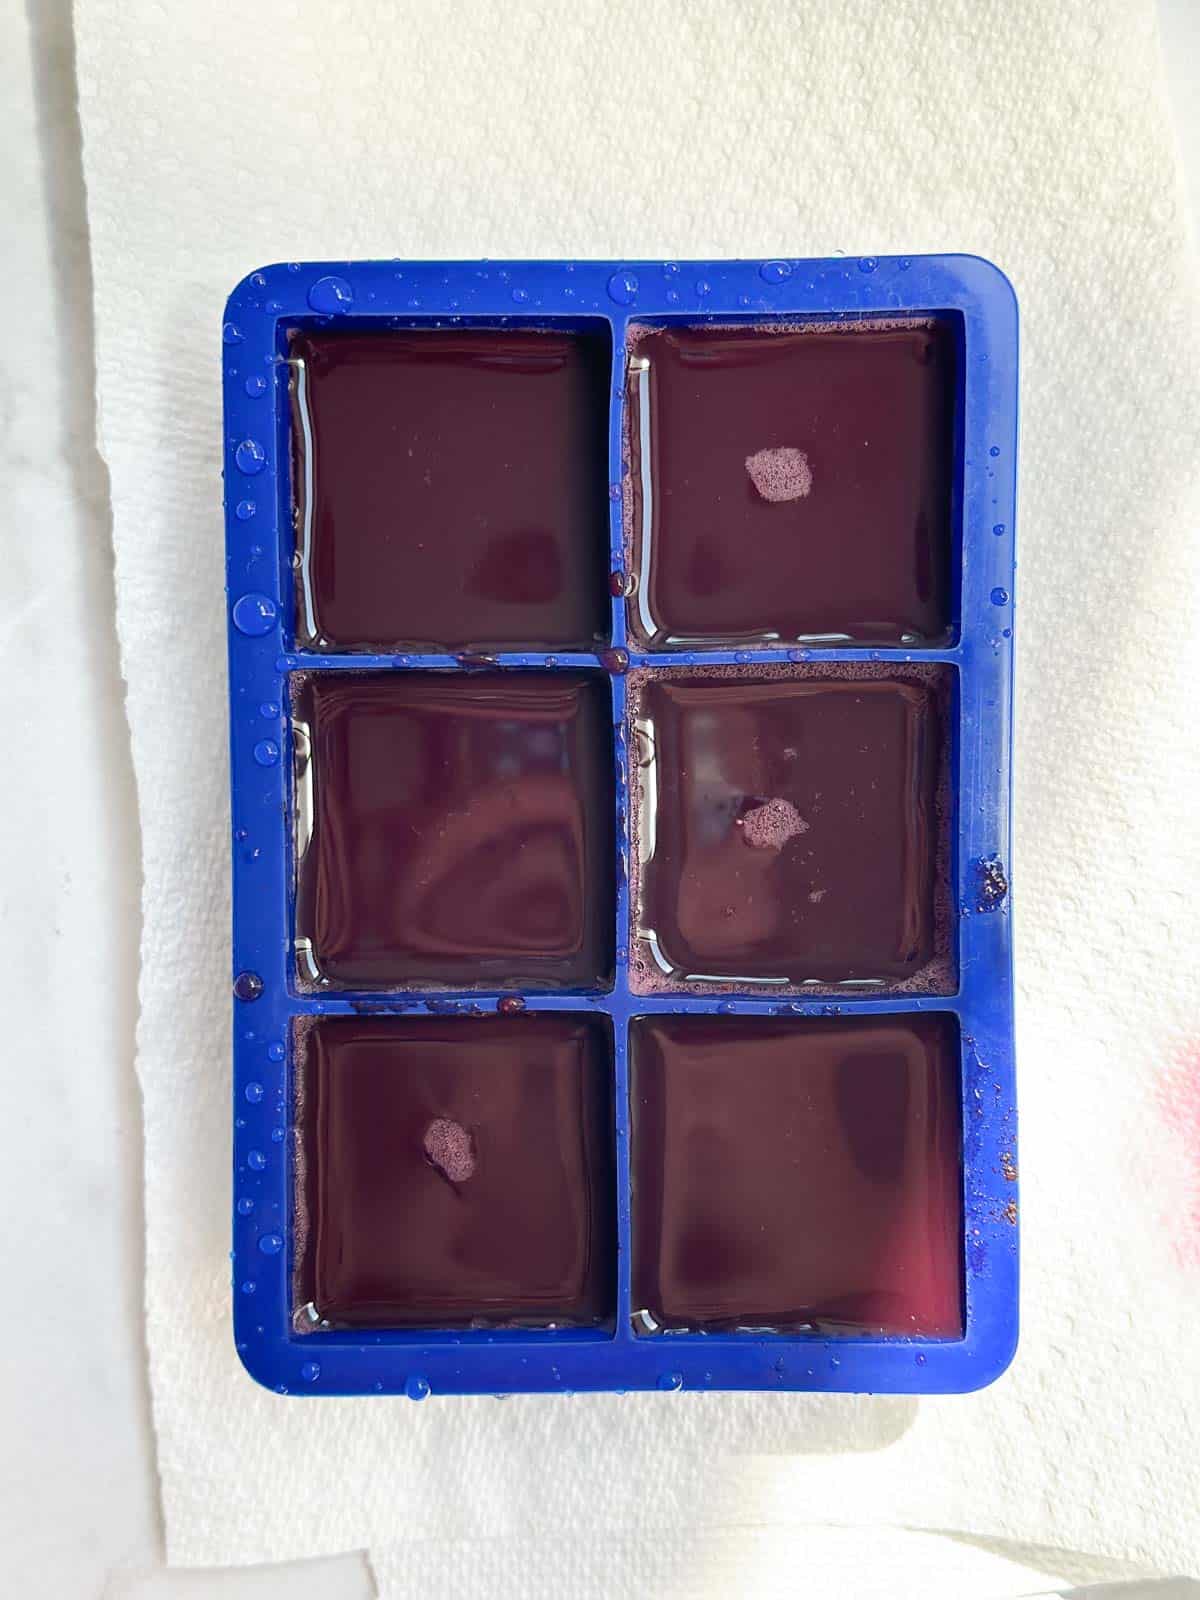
(450, 1148)
(780, 473)
(771, 825)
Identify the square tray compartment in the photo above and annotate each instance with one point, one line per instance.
(395, 552)
(791, 829)
(454, 828)
(791, 487)
(816, 1189)
(454, 1172)
(945, 1052)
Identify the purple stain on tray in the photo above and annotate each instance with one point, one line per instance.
(615, 660)
(992, 884)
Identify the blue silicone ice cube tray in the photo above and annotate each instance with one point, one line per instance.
(293, 1229)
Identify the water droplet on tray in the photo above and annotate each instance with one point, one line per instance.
(995, 450)
(244, 510)
(310, 1371)
(255, 385)
(703, 287)
(998, 529)
(999, 597)
(256, 1161)
(249, 1286)
(271, 1244)
(276, 1051)
(330, 296)
(623, 287)
(867, 263)
(231, 333)
(250, 457)
(254, 1093)
(671, 1380)
(520, 296)
(254, 614)
(266, 752)
(247, 986)
(245, 1206)
(416, 1387)
(775, 271)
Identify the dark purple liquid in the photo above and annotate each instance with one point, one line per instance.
(458, 490)
(791, 1174)
(455, 1171)
(800, 484)
(792, 824)
(462, 830)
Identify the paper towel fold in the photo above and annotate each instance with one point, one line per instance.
(219, 136)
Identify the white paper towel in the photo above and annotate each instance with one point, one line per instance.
(219, 136)
(699, 1563)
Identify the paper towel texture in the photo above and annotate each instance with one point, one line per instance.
(219, 136)
(693, 1564)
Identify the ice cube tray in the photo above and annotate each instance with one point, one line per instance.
(620, 681)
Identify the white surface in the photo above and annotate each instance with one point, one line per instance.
(1045, 140)
(71, 1130)
(79, 1512)
(76, 1500)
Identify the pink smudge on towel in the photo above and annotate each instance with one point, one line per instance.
(1179, 1101)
